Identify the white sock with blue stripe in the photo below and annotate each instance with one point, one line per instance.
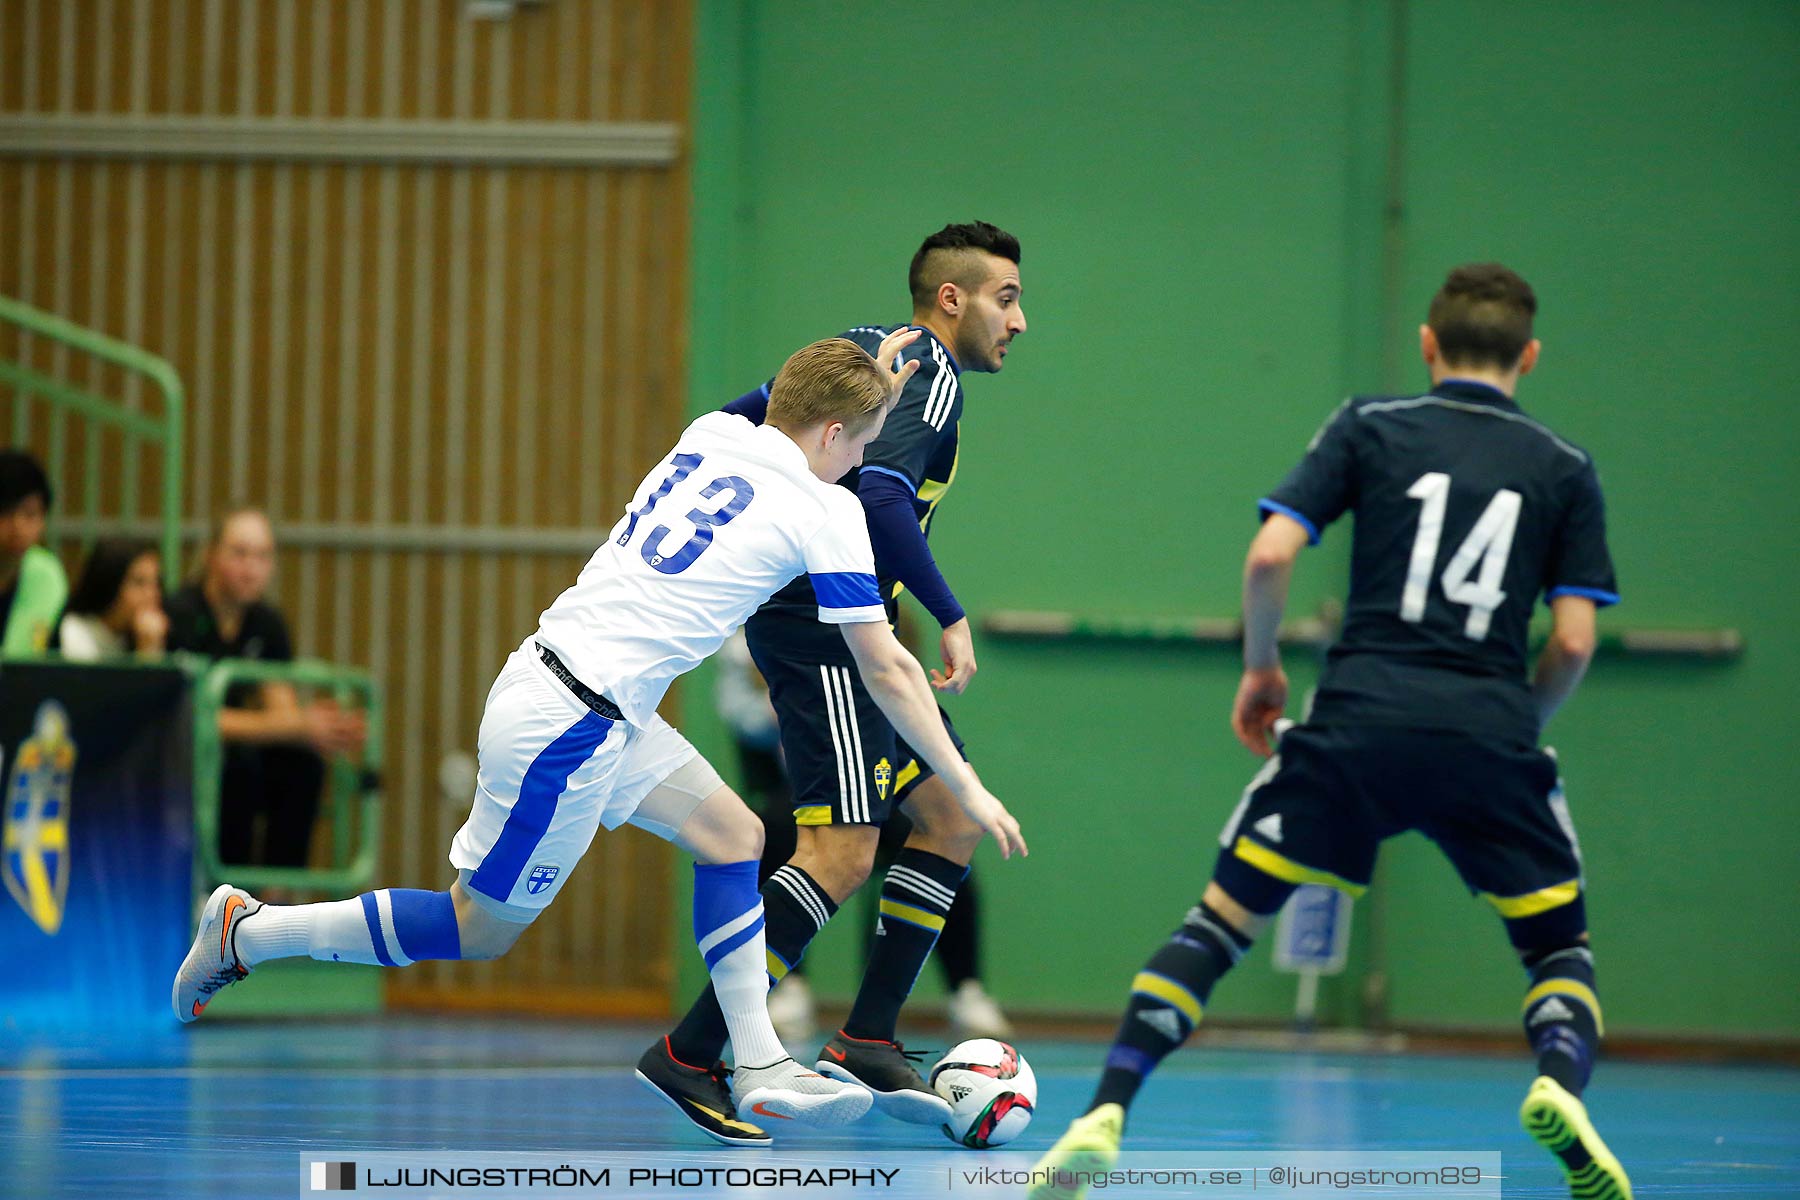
(394, 927)
(728, 927)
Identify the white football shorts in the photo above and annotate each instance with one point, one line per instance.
(550, 772)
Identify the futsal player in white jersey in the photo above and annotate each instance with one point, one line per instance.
(571, 740)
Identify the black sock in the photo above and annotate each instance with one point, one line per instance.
(916, 896)
(794, 910)
(1167, 998)
(1562, 1015)
(959, 945)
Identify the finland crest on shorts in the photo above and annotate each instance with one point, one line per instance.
(541, 878)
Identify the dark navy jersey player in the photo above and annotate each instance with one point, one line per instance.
(905, 474)
(1469, 512)
(847, 767)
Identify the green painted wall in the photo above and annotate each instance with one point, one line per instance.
(1200, 193)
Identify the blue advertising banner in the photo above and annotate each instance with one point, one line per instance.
(98, 834)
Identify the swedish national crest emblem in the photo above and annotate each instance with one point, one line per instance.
(36, 840)
(884, 775)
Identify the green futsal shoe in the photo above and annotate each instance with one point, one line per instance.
(1558, 1122)
(1090, 1145)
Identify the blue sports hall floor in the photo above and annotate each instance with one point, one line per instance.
(229, 1109)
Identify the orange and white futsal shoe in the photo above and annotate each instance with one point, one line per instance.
(212, 961)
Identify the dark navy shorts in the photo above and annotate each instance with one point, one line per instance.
(1320, 809)
(846, 763)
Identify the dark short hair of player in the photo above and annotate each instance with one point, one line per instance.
(104, 574)
(831, 380)
(953, 255)
(1482, 316)
(21, 477)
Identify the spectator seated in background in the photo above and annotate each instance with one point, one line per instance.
(275, 747)
(116, 608)
(33, 586)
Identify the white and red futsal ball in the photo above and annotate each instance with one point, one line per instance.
(991, 1091)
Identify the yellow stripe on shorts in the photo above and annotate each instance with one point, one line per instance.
(1533, 903)
(813, 814)
(907, 774)
(1289, 871)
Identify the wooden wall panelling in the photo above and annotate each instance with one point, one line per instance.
(380, 346)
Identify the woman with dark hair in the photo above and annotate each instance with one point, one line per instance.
(116, 607)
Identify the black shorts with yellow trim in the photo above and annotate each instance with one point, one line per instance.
(845, 762)
(914, 770)
(1320, 809)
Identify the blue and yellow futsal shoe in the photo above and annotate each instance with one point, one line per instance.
(212, 961)
(1090, 1145)
(701, 1094)
(1558, 1122)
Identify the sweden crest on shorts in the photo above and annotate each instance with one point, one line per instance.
(884, 775)
(36, 837)
(541, 878)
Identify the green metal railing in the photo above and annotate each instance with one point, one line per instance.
(353, 798)
(356, 835)
(1317, 633)
(164, 431)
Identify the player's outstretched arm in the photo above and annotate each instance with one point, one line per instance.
(1262, 693)
(1566, 655)
(897, 683)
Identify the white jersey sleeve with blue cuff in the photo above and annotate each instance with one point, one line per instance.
(841, 565)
